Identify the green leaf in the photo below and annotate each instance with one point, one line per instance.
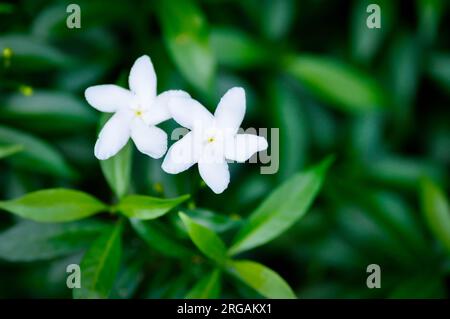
(276, 17)
(337, 83)
(264, 280)
(146, 207)
(436, 211)
(54, 205)
(47, 111)
(100, 265)
(216, 222)
(281, 209)
(29, 53)
(288, 110)
(37, 156)
(430, 14)
(117, 171)
(236, 49)
(129, 278)
(186, 35)
(205, 240)
(207, 288)
(403, 81)
(30, 241)
(160, 239)
(9, 150)
(402, 171)
(366, 42)
(438, 68)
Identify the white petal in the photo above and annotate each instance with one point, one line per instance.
(142, 80)
(214, 172)
(231, 109)
(113, 136)
(149, 140)
(189, 113)
(243, 146)
(181, 155)
(159, 110)
(108, 97)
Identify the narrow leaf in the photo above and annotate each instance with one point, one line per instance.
(38, 156)
(281, 209)
(158, 238)
(236, 49)
(186, 35)
(264, 280)
(365, 42)
(100, 265)
(54, 205)
(207, 288)
(117, 171)
(31, 54)
(436, 211)
(337, 83)
(216, 222)
(30, 241)
(146, 207)
(205, 240)
(48, 111)
(9, 150)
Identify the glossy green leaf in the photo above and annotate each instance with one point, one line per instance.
(117, 170)
(186, 35)
(436, 210)
(146, 207)
(100, 265)
(159, 238)
(337, 83)
(205, 240)
(47, 111)
(8, 150)
(30, 241)
(207, 288)
(284, 206)
(236, 49)
(264, 280)
(29, 53)
(54, 205)
(214, 221)
(37, 155)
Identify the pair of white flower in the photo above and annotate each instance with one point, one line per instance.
(212, 139)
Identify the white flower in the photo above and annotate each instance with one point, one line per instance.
(213, 139)
(136, 112)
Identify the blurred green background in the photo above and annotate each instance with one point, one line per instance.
(378, 99)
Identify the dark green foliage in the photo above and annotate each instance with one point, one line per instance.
(377, 99)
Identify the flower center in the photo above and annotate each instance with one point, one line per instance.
(211, 139)
(138, 113)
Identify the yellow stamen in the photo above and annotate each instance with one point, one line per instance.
(211, 139)
(138, 113)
